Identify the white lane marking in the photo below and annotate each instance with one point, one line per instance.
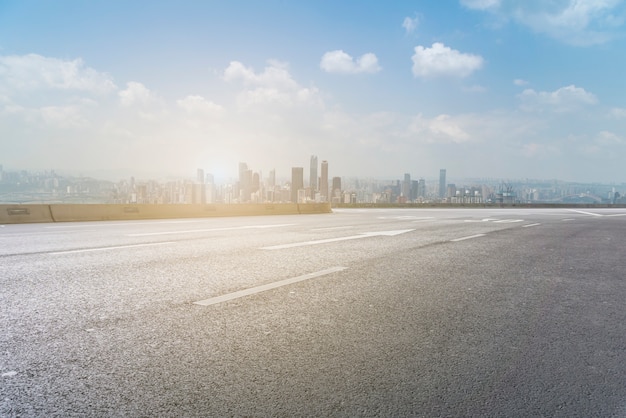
(616, 214)
(331, 228)
(470, 237)
(263, 288)
(567, 219)
(529, 225)
(118, 247)
(188, 231)
(109, 223)
(406, 217)
(326, 241)
(585, 212)
(509, 221)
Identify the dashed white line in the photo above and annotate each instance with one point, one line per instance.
(263, 288)
(529, 225)
(568, 219)
(470, 237)
(118, 247)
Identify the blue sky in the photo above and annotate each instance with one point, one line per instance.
(484, 88)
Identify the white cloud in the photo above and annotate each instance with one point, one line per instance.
(275, 75)
(440, 60)
(520, 82)
(136, 94)
(200, 105)
(273, 85)
(340, 62)
(575, 22)
(442, 128)
(618, 113)
(410, 24)
(608, 138)
(63, 116)
(565, 99)
(36, 72)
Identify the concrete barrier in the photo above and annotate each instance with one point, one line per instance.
(311, 208)
(18, 214)
(98, 212)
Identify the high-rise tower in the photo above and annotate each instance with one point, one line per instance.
(442, 183)
(313, 176)
(406, 186)
(297, 182)
(324, 182)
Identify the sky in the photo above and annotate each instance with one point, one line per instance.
(504, 89)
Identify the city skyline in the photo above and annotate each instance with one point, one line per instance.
(499, 88)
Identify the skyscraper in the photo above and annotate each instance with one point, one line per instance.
(324, 182)
(200, 176)
(442, 183)
(421, 188)
(336, 191)
(313, 176)
(406, 186)
(297, 182)
(245, 183)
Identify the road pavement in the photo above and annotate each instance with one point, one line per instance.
(373, 312)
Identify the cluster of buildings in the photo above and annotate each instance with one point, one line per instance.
(251, 186)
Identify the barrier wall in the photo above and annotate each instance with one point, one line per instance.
(10, 214)
(17, 214)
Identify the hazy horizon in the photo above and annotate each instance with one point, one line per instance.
(484, 88)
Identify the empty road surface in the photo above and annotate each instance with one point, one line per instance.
(394, 312)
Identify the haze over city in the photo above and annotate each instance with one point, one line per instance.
(486, 88)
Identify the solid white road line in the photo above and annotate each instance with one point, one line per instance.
(326, 241)
(470, 237)
(188, 231)
(263, 288)
(87, 250)
(529, 225)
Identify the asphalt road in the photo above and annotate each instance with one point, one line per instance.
(478, 312)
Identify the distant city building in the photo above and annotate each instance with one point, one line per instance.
(406, 186)
(324, 182)
(442, 183)
(297, 182)
(245, 183)
(200, 176)
(451, 192)
(313, 176)
(336, 195)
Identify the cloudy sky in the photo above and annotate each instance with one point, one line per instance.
(484, 88)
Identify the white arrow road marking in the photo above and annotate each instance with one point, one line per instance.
(325, 241)
(234, 228)
(584, 212)
(263, 288)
